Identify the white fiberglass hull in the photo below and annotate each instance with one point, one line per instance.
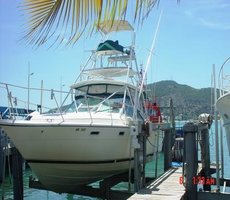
(223, 106)
(66, 156)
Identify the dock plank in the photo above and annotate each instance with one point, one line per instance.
(165, 187)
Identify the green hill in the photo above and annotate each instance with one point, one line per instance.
(189, 102)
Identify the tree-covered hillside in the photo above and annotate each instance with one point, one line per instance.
(189, 102)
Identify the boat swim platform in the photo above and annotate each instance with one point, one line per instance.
(167, 186)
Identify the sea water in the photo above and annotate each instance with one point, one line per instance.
(6, 189)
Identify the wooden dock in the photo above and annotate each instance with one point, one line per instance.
(167, 186)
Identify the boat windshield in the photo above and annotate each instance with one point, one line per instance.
(98, 103)
(101, 98)
(105, 103)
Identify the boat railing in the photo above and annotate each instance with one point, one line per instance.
(18, 109)
(21, 108)
(224, 78)
(112, 63)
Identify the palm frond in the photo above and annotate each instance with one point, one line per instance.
(64, 21)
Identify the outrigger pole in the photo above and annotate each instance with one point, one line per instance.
(150, 54)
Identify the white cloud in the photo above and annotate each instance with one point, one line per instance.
(214, 24)
(213, 14)
(188, 13)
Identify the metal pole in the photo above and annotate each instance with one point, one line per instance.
(216, 134)
(41, 96)
(28, 95)
(11, 108)
(61, 86)
(150, 54)
(221, 149)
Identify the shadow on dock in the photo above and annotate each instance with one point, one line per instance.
(167, 186)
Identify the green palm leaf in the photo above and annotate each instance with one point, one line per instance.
(64, 21)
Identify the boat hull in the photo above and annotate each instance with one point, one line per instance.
(223, 106)
(66, 156)
(66, 178)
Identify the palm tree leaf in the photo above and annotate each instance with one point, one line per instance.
(64, 21)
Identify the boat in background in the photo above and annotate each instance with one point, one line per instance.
(93, 137)
(223, 102)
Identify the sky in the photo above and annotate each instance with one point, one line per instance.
(192, 36)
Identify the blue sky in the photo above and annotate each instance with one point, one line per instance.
(193, 36)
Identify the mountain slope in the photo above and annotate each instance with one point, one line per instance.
(189, 102)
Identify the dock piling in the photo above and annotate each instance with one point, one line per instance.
(167, 149)
(205, 154)
(1, 156)
(17, 174)
(139, 158)
(190, 161)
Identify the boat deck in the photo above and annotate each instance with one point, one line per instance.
(165, 187)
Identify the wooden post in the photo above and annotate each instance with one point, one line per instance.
(205, 154)
(136, 171)
(190, 161)
(144, 151)
(17, 174)
(139, 145)
(1, 156)
(135, 145)
(167, 149)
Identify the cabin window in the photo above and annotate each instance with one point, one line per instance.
(113, 104)
(128, 107)
(102, 89)
(97, 89)
(81, 90)
(112, 88)
(104, 98)
(87, 103)
(69, 108)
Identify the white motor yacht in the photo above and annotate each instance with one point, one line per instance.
(94, 136)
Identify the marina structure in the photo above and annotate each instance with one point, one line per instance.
(189, 180)
(108, 132)
(11, 161)
(167, 186)
(102, 131)
(3, 144)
